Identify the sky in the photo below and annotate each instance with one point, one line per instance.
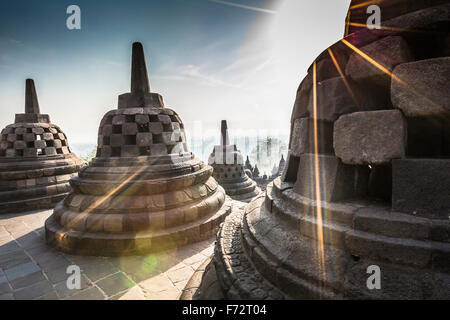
(240, 60)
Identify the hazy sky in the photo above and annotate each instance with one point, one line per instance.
(240, 60)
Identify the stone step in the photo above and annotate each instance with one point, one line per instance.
(107, 244)
(121, 221)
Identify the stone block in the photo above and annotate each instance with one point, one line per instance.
(116, 140)
(388, 52)
(336, 97)
(50, 151)
(20, 145)
(336, 179)
(40, 144)
(113, 223)
(118, 119)
(158, 149)
(155, 127)
(372, 137)
(129, 128)
(107, 130)
(144, 139)
(420, 186)
(164, 118)
(130, 151)
(303, 136)
(421, 88)
(142, 119)
(47, 136)
(300, 109)
(380, 182)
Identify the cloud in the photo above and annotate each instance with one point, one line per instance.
(233, 4)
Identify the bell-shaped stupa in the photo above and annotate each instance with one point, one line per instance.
(362, 208)
(144, 191)
(229, 169)
(35, 160)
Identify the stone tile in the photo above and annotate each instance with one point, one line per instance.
(181, 284)
(27, 280)
(115, 283)
(97, 271)
(35, 291)
(29, 240)
(9, 247)
(199, 257)
(7, 296)
(181, 274)
(55, 263)
(171, 294)
(157, 284)
(5, 288)
(57, 274)
(134, 293)
(12, 259)
(64, 292)
(92, 293)
(49, 296)
(21, 270)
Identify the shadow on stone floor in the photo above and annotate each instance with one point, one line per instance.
(29, 269)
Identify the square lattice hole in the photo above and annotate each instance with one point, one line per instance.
(142, 127)
(115, 152)
(130, 140)
(144, 151)
(157, 138)
(117, 128)
(129, 118)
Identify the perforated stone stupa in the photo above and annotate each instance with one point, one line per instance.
(144, 191)
(365, 190)
(229, 169)
(35, 160)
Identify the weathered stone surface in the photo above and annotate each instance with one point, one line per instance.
(387, 52)
(144, 191)
(304, 132)
(420, 187)
(229, 169)
(421, 88)
(336, 178)
(336, 97)
(380, 182)
(28, 146)
(372, 137)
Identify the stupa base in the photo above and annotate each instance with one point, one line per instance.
(329, 260)
(41, 203)
(118, 244)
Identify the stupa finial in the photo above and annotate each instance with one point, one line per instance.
(139, 76)
(31, 100)
(140, 95)
(224, 139)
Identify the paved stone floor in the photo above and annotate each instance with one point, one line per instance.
(31, 270)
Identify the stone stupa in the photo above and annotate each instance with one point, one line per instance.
(362, 208)
(35, 160)
(144, 191)
(229, 170)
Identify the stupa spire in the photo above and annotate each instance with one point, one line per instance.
(31, 100)
(139, 76)
(224, 139)
(140, 95)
